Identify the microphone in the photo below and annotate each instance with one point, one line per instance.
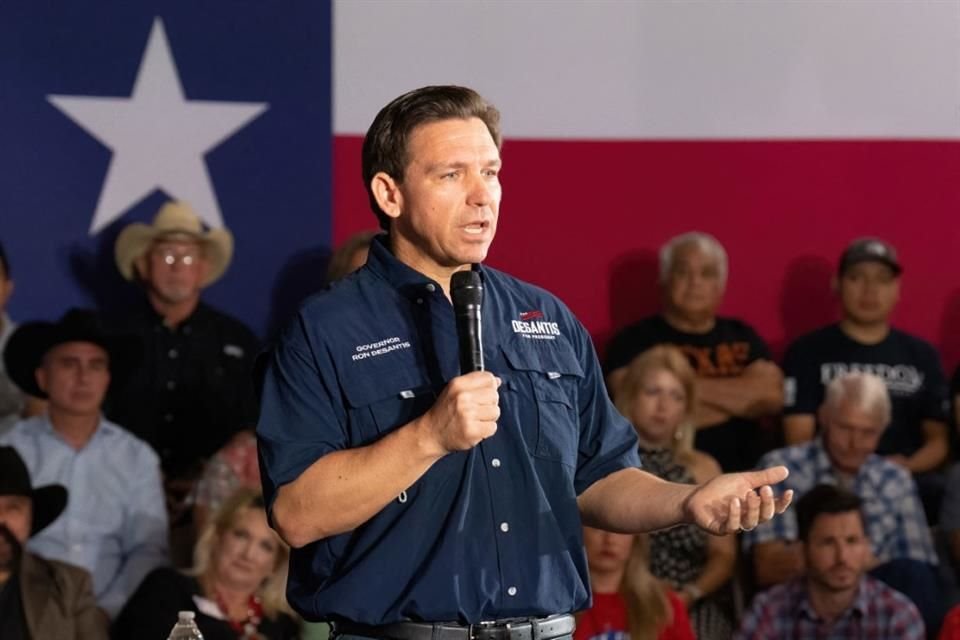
(466, 291)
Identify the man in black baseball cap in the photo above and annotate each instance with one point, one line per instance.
(39, 598)
(868, 286)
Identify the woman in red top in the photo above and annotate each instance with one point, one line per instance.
(628, 602)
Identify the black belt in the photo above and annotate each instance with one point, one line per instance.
(513, 629)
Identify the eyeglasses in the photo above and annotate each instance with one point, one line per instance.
(171, 256)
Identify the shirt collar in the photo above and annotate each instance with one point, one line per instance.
(798, 593)
(825, 464)
(408, 281)
(104, 428)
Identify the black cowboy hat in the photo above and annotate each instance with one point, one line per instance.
(49, 501)
(32, 340)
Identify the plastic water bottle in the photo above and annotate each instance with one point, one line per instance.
(186, 628)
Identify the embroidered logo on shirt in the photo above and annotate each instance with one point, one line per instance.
(530, 326)
(233, 350)
(379, 348)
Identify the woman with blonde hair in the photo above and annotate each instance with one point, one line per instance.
(658, 395)
(628, 601)
(236, 586)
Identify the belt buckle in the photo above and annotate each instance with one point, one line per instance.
(489, 629)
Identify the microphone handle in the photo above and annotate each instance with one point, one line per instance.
(471, 339)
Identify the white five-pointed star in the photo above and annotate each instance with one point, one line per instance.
(157, 136)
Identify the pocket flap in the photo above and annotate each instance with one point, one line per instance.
(552, 358)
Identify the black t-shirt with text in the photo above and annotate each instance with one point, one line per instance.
(723, 352)
(910, 367)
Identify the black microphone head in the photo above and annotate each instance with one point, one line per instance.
(466, 287)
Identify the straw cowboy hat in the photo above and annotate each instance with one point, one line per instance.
(174, 219)
(49, 501)
(32, 340)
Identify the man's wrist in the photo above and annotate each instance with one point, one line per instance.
(692, 591)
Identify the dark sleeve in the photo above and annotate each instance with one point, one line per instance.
(626, 345)
(758, 347)
(91, 623)
(248, 408)
(608, 442)
(936, 394)
(802, 391)
(152, 610)
(302, 416)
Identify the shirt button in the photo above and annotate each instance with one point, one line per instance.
(419, 300)
(512, 591)
(172, 354)
(504, 526)
(431, 287)
(171, 385)
(168, 417)
(495, 463)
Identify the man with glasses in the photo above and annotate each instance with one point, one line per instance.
(193, 388)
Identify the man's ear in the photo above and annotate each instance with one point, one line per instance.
(387, 193)
(40, 374)
(140, 268)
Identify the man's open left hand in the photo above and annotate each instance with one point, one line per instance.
(736, 502)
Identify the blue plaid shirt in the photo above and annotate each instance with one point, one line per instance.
(892, 512)
(877, 613)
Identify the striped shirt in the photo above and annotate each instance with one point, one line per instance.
(892, 511)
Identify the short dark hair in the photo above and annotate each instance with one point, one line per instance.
(824, 498)
(4, 264)
(385, 145)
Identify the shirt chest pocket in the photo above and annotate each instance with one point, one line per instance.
(549, 376)
(382, 403)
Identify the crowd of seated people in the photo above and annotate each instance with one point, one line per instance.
(147, 419)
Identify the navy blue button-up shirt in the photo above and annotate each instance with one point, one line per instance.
(488, 533)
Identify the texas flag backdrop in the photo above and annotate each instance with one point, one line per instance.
(785, 129)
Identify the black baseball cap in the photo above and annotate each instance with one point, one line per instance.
(870, 250)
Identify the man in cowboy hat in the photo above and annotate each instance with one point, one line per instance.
(39, 598)
(115, 525)
(193, 389)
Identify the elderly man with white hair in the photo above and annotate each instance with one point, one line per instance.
(737, 382)
(853, 416)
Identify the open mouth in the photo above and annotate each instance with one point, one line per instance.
(476, 228)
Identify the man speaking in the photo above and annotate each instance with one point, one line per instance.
(422, 502)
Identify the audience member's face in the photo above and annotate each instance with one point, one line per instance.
(659, 407)
(694, 286)
(16, 514)
(247, 552)
(6, 288)
(606, 551)
(449, 198)
(16, 520)
(868, 292)
(75, 376)
(850, 436)
(837, 551)
(175, 270)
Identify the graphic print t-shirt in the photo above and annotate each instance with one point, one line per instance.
(909, 366)
(723, 352)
